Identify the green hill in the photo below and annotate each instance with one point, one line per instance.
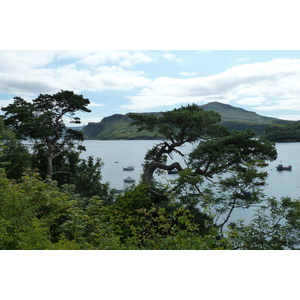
(283, 133)
(240, 119)
(115, 127)
(119, 126)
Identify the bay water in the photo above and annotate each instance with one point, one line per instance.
(122, 153)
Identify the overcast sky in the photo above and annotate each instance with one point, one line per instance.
(267, 82)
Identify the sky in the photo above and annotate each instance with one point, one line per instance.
(121, 81)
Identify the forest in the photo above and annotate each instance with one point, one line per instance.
(51, 199)
(283, 133)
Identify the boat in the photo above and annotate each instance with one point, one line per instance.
(129, 179)
(173, 171)
(129, 168)
(259, 183)
(280, 167)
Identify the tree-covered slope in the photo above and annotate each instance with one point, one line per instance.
(235, 114)
(283, 133)
(119, 126)
(240, 119)
(115, 127)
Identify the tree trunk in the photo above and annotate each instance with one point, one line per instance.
(148, 174)
(51, 151)
(49, 171)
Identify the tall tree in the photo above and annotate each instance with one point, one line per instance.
(184, 125)
(43, 121)
(218, 149)
(223, 172)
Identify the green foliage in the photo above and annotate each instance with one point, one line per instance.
(141, 224)
(236, 150)
(14, 157)
(86, 178)
(84, 174)
(223, 169)
(37, 215)
(283, 133)
(275, 226)
(156, 229)
(20, 228)
(43, 121)
(222, 176)
(187, 123)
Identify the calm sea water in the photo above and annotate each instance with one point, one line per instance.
(119, 154)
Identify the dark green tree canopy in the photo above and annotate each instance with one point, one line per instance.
(218, 149)
(14, 156)
(43, 120)
(186, 124)
(43, 117)
(234, 151)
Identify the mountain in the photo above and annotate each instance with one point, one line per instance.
(115, 127)
(240, 119)
(119, 126)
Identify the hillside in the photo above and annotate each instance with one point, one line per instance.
(118, 126)
(285, 133)
(240, 119)
(235, 114)
(115, 127)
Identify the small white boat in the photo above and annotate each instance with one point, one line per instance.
(129, 179)
(129, 168)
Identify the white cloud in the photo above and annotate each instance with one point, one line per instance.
(290, 117)
(29, 73)
(188, 74)
(172, 57)
(277, 79)
(287, 104)
(123, 58)
(19, 61)
(253, 101)
(4, 103)
(94, 104)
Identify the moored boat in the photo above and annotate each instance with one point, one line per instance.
(129, 179)
(280, 167)
(174, 171)
(129, 168)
